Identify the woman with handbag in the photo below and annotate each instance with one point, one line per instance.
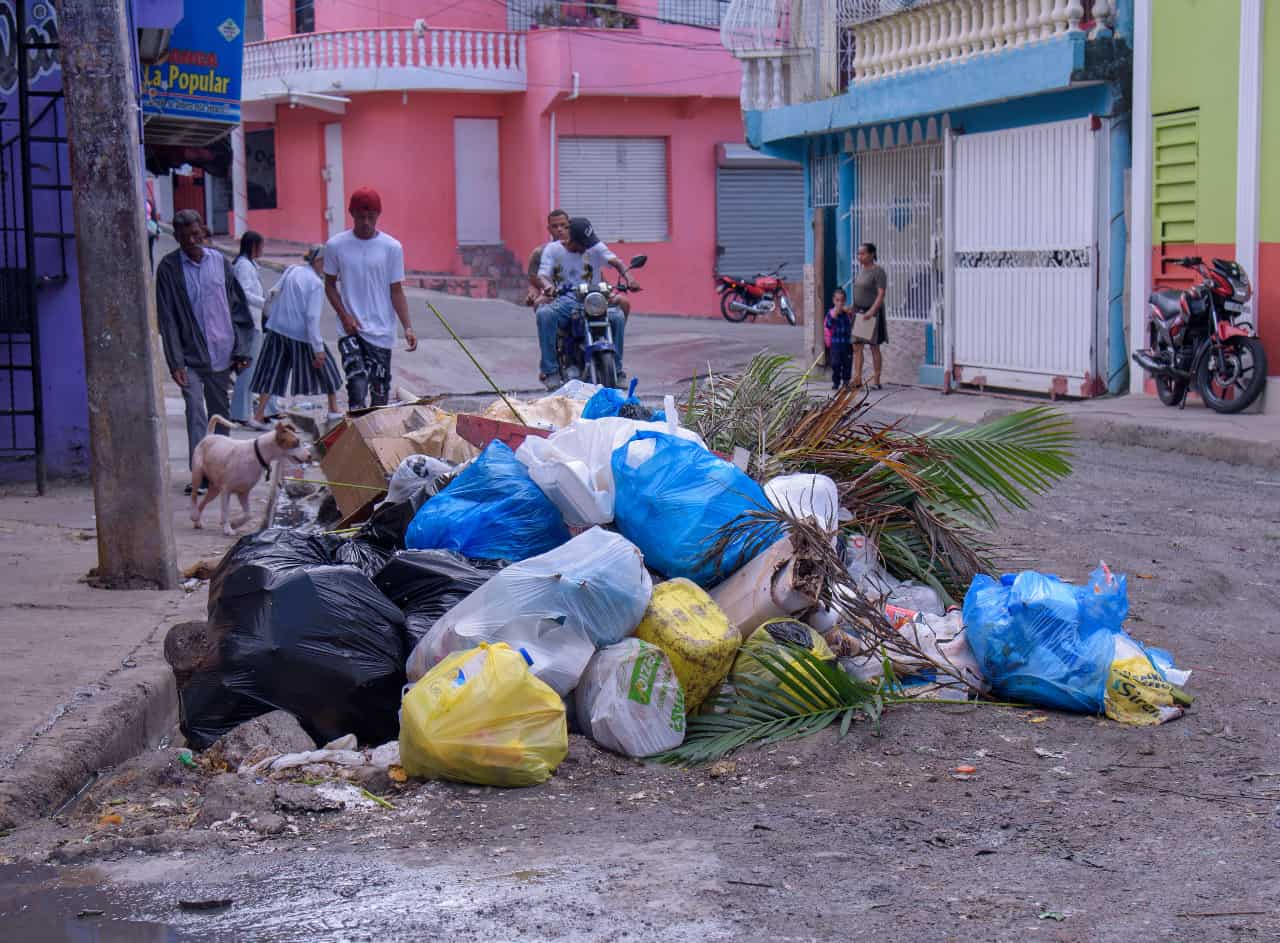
(870, 327)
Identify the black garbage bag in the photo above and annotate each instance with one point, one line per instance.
(365, 556)
(288, 630)
(386, 526)
(428, 583)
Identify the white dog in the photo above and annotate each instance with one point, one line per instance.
(234, 466)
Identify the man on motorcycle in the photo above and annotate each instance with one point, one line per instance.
(558, 230)
(581, 251)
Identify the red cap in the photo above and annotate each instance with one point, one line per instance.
(365, 199)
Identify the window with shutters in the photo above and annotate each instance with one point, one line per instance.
(1175, 196)
(620, 184)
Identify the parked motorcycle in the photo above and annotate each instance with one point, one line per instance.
(740, 299)
(585, 348)
(1200, 336)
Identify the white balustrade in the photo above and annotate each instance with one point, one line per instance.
(496, 59)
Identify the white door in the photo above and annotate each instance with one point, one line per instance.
(1026, 251)
(335, 211)
(475, 159)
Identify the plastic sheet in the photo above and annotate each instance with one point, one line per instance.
(672, 499)
(630, 700)
(491, 511)
(426, 584)
(559, 606)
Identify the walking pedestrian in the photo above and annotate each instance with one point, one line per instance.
(153, 229)
(248, 275)
(364, 281)
(293, 349)
(205, 326)
(871, 326)
(838, 326)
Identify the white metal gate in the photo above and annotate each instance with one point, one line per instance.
(1026, 256)
(899, 207)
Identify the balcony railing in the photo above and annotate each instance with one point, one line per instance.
(385, 60)
(799, 50)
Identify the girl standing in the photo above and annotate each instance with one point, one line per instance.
(839, 331)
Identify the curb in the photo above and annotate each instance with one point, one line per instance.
(1229, 449)
(126, 712)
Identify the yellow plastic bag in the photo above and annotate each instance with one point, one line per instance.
(1136, 693)
(684, 622)
(770, 638)
(480, 716)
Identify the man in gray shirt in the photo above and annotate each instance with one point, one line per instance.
(205, 325)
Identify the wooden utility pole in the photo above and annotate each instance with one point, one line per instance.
(126, 416)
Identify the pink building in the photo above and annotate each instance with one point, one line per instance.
(474, 118)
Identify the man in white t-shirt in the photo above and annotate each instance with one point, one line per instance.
(581, 255)
(364, 281)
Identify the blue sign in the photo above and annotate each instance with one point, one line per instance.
(200, 77)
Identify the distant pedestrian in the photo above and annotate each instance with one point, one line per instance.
(248, 275)
(153, 228)
(294, 358)
(869, 286)
(364, 281)
(838, 326)
(204, 322)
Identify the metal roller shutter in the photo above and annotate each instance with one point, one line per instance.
(620, 184)
(760, 220)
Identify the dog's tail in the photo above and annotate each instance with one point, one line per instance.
(215, 420)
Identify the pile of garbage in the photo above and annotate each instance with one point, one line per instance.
(590, 564)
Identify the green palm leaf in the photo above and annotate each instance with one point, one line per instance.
(804, 696)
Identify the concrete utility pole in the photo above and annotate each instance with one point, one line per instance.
(126, 419)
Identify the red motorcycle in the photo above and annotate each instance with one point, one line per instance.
(1199, 336)
(740, 299)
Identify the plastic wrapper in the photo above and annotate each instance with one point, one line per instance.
(481, 716)
(630, 700)
(426, 584)
(290, 632)
(559, 607)
(574, 466)
(683, 621)
(673, 497)
(916, 597)
(1040, 640)
(491, 511)
(415, 479)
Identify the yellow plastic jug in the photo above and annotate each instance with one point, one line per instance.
(684, 622)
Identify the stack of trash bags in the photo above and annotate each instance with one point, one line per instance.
(610, 578)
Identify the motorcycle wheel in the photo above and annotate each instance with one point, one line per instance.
(788, 312)
(1170, 391)
(605, 369)
(737, 317)
(1236, 379)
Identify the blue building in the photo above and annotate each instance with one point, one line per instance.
(984, 147)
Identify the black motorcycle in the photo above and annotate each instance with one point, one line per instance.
(585, 346)
(1199, 336)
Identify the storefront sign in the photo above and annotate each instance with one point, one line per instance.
(200, 77)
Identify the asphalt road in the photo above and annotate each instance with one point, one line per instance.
(1072, 828)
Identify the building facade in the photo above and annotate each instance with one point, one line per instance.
(1205, 100)
(983, 146)
(475, 120)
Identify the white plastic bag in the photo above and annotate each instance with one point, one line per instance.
(630, 701)
(803, 496)
(578, 389)
(573, 466)
(558, 606)
(916, 597)
(415, 479)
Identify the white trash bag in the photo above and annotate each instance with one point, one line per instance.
(804, 496)
(415, 479)
(630, 700)
(558, 606)
(573, 466)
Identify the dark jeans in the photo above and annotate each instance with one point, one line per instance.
(206, 394)
(841, 364)
(368, 371)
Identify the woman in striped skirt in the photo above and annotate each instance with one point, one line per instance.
(292, 347)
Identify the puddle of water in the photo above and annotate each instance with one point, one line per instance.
(69, 906)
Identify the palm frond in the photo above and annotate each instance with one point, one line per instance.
(805, 695)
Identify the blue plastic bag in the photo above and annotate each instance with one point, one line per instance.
(608, 402)
(674, 501)
(1050, 643)
(491, 511)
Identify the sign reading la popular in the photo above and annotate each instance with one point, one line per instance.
(200, 77)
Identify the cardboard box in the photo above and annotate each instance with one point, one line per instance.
(367, 448)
